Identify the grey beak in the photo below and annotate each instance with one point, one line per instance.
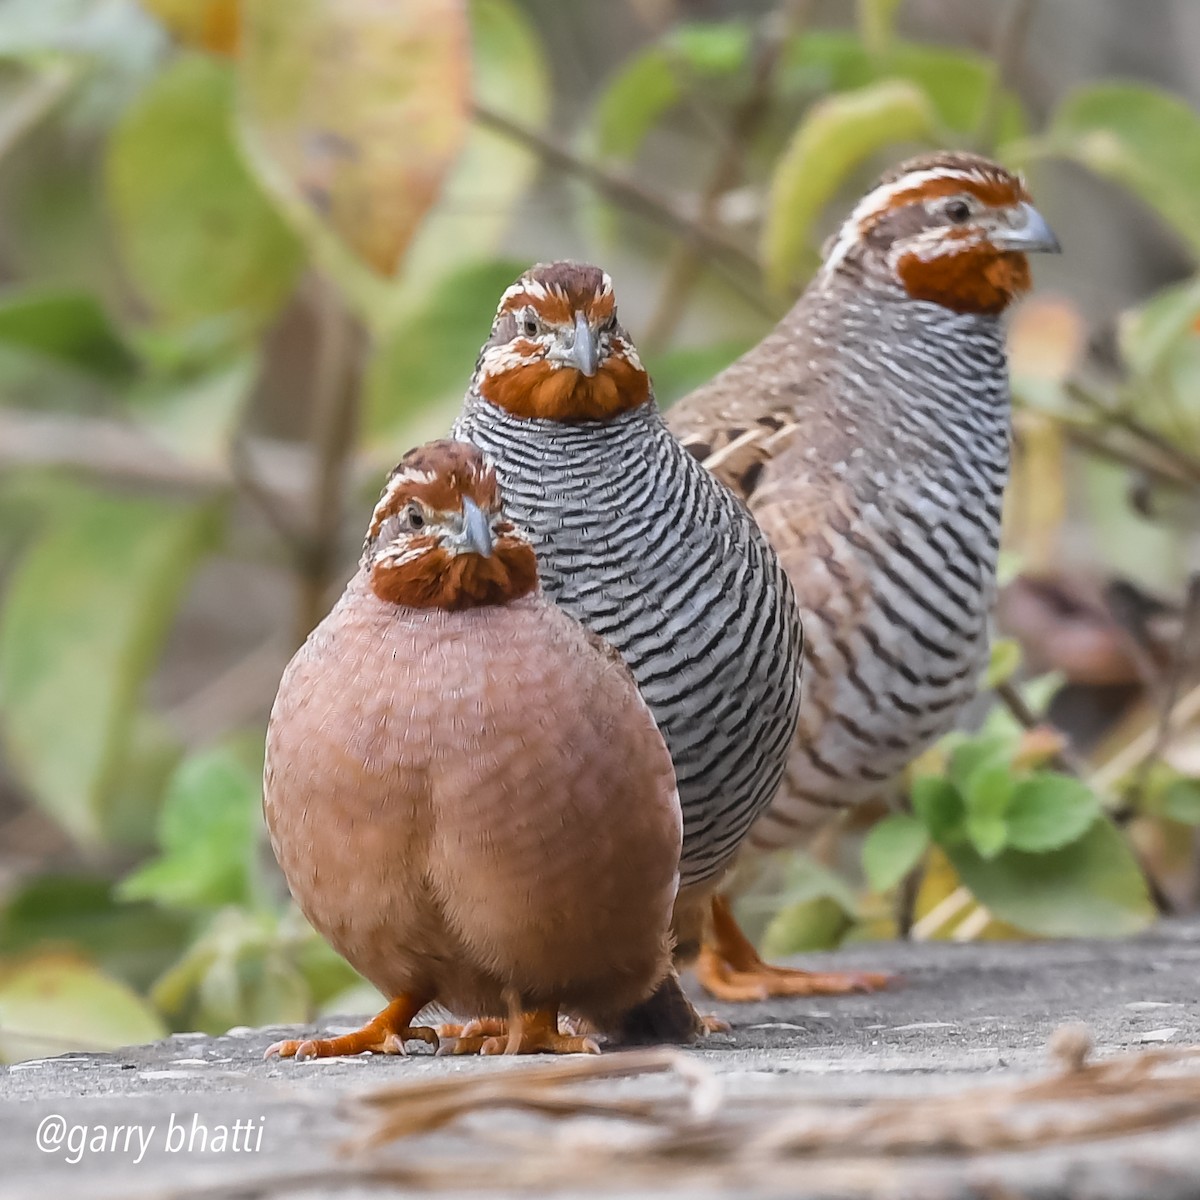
(477, 531)
(1029, 233)
(584, 353)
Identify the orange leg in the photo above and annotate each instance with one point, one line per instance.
(534, 1033)
(729, 968)
(383, 1034)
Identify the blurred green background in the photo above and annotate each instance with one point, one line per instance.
(248, 252)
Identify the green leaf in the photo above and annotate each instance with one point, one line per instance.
(197, 235)
(84, 616)
(55, 1003)
(893, 848)
(68, 328)
(1141, 137)
(958, 83)
(196, 415)
(987, 794)
(1049, 811)
(423, 367)
(940, 806)
(654, 81)
(976, 754)
(1150, 332)
(1181, 801)
(835, 135)
(816, 924)
(208, 833)
(134, 942)
(1091, 888)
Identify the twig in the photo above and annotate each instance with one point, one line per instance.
(1010, 46)
(250, 482)
(1188, 466)
(1131, 755)
(1173, 681)
(1064, 759)
(1089, 440)
(942, 914)
(619, 189)
(336, 379)
(687, 261)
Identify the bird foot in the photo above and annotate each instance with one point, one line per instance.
(535, 1033)
(724, 982)
(730, 969)
(384, 1034)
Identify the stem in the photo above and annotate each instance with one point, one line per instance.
(1065, 759)
(687, 260)
(739, 266)
(1010, 47)
(1188, 634)
(1187, 466)
(337, 376)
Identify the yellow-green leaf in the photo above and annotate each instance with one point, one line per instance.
(84, 616)
(836, 134)
(1143, 138)
(197, 235)
(354, 111)
(892, 848)
(56, 1002)
(1091, 888)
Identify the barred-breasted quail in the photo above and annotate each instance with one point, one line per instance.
(644, 547)
(467, 795)
(869, 436)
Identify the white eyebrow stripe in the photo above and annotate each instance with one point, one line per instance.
(880, 199)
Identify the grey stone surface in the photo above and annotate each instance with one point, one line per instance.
(965, 1015)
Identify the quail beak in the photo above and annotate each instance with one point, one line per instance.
(1028, 233)
(583, 351)
(476, 531)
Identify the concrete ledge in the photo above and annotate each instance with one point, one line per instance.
(966, 1015)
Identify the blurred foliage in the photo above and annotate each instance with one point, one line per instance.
(197, 194)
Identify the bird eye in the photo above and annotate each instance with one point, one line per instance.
(415, 517)
(529, 327)
(958, 211)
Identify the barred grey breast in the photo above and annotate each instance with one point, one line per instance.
(645, 548)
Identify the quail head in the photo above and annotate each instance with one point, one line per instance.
(468, 797)
(648, 550)
(869, 436)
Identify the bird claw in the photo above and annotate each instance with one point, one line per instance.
(730, 969)
(385, 1034)
(763, 981)
(351, 1044)
(537, 1033)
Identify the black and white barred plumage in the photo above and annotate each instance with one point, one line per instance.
(869, 435)
(639, 543)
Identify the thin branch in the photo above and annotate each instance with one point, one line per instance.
(687, 261)
(1087, 439)
(626, 193)
(1188, 466)
(336, 381)
(1184, 651)
(1010, 48)
(1064, 759)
